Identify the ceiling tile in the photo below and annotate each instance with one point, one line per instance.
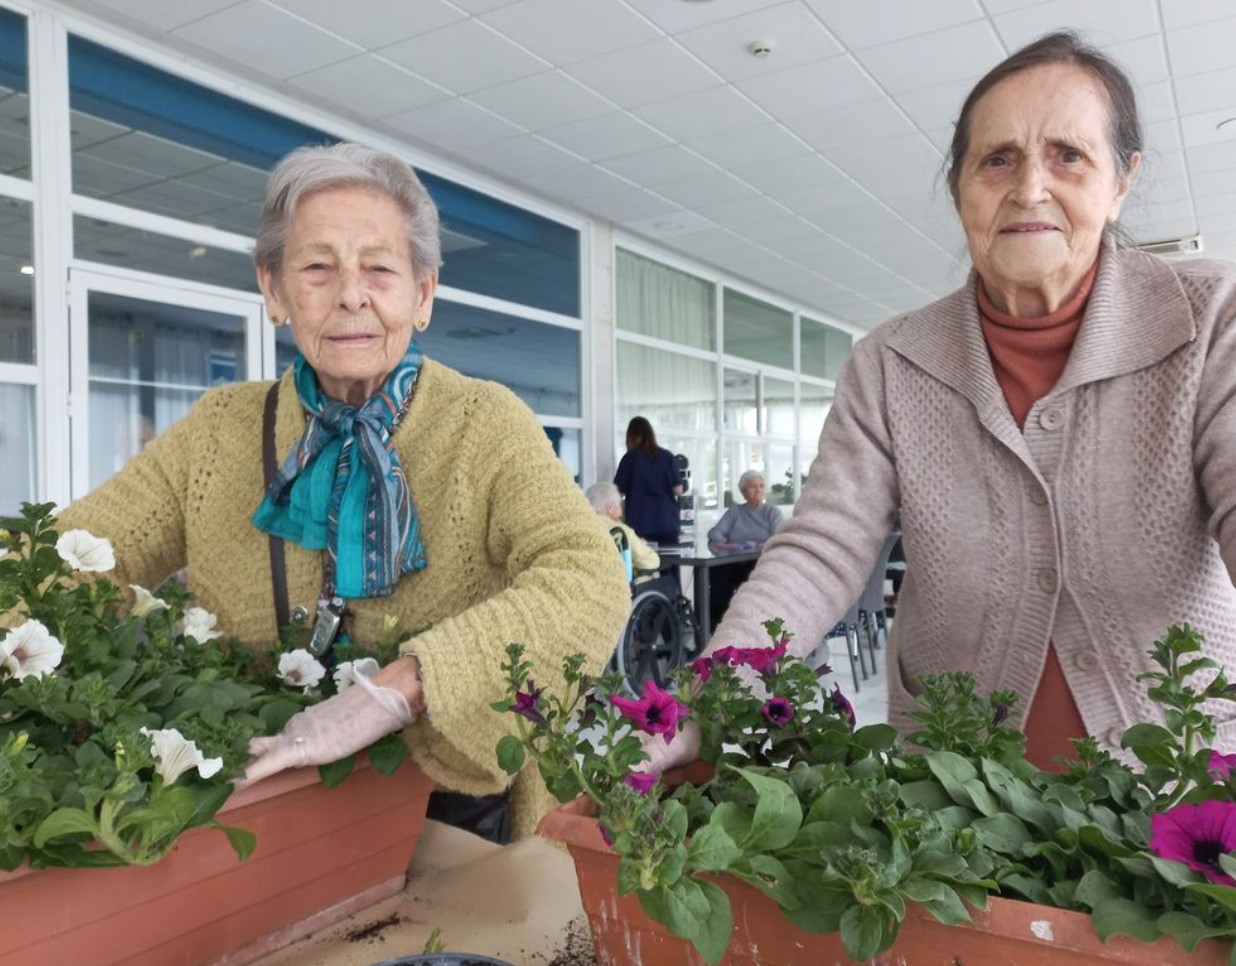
(1210, 182)
(167, 16)
(610, 135)
(452, 125)
(103, 179)
(1202, 48)
(155, 155)
(811, 200)
(1177, 15)
(369, 86)
(370, 23)
(522, 156)
(1211, 91)
(935, 107)
(482, 6)
(953, 54)
(248, 34)
(86, 129)
(661, 165)
(543, 100)
(234, 180)
(673, 17)
(629, 204)
(673, 225)
(1212, 158)
(996, 7)
(705, 189)
(580, 181)
(464, 57)
(860, 23)
(1143, 59)
(1210, 128)
(1164, 135)
(856, 124)
(835, 82)
(567, 31)
(707, 241)
(741, 214)
(769, 142)
(644, 74)
(797, 35)
(702, 114)
(1156, 102)
(807, 169)
(1102, 22)
(781, 229)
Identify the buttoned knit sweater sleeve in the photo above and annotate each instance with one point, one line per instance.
(514, 553)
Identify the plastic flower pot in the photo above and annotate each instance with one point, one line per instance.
(322, 854)
(1008, 932)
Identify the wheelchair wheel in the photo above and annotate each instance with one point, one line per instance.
(651, 643)
(692, 634)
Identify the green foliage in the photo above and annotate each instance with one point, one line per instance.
(845, 828)
(81, 783)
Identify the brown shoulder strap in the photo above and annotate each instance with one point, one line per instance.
(278, 570)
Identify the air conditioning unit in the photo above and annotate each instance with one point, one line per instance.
(1189, 245)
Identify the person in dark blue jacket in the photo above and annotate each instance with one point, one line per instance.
(650, 482)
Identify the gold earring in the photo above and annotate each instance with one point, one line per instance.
(421, 324)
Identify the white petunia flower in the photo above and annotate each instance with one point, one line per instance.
(300, 669)
(83, 551)
(146, 603)
(346, 673)
(175, 755)
(30, 651)
(199, 623)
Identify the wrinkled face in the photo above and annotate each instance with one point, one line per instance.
(753, 492)
(348, 288)
(1038, 185)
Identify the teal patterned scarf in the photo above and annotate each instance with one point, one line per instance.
(342, 489)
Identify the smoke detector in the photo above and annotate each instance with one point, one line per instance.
(1188, 245)
(761, 48)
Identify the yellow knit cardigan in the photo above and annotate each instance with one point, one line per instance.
(514, 553)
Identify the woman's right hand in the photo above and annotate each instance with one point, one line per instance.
(683, 749)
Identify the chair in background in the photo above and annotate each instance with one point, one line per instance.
(872, 618)
(847, 628)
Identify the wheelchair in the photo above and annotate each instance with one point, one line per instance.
(662, 631)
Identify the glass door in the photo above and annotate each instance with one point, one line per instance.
(142, 352)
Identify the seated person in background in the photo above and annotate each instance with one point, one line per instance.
(751, 522)
(607, 501)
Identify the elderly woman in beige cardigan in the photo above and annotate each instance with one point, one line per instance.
(404, 488)
(1059, 435)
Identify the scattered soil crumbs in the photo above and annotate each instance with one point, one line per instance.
(373, 932)
(576, 947)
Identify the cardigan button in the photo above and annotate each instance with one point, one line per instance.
(1051, 419)
(1113, 736)
(1047, 580)
(1037, 496)
(1086, 661)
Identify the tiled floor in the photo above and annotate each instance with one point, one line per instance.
(871, 701)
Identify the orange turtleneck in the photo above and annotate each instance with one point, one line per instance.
(1028, 356)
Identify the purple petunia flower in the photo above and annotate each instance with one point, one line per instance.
(606, 837)
(1000, 714)
(528, 704)
(778, 711)
(762, 660)
(1196, 835)
(640, 781)
(656, 713)
(842, 705)
(1221, 766)
(702, 666)
(726, 655)
(823, 669)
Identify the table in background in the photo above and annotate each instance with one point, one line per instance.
(701, 562)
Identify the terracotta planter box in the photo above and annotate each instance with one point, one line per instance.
(321, 855)
(1009, 932)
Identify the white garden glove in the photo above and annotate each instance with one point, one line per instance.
(340, 726)
(682, 750)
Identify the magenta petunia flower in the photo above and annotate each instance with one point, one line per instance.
(656, 713)
(778, 711)
(606, 837)
(727, 655)
(1221, 766)
(763, 660)
(842, 704)
(1196, 835)
(640, 781)
(528, 704)
(702, 666)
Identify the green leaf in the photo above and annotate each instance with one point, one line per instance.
(687, 907)
(1124, 917)
(65, 821)
(629, 879)
(734, 818)
(875, 737)
(769, 876)
(862, 932)
(925, 794)
(1004, 833)
(717, 926)
(822, 906)
(843, 804)
(937, 898)
(388, 753)
(712, 849)
(1188, 929)
(334, 773)
(778, 814)
(1224, 895)
(1095, 887)
(241, 839)
(1177, 873)
(510, 754)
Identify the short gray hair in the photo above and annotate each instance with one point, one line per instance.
(748, 478)
(308, 170)
(602, 496)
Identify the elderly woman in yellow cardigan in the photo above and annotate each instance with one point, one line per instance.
(403, 488)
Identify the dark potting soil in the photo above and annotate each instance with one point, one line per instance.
(576, 946)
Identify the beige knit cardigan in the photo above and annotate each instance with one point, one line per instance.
(514, 551)
(1107, 519)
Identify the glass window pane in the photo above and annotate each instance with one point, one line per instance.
(149, 362)
(740, 412)
(816, 401)
(540, 363)
(779, 474)
(758, 331)
(778, 407)
(701, 457)
(656, 300)
(146, 251)
(671, 390)
(568, 444)
(17, 456)
(774, 461)
(14, 98)
(16, 282)
(824, 349)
